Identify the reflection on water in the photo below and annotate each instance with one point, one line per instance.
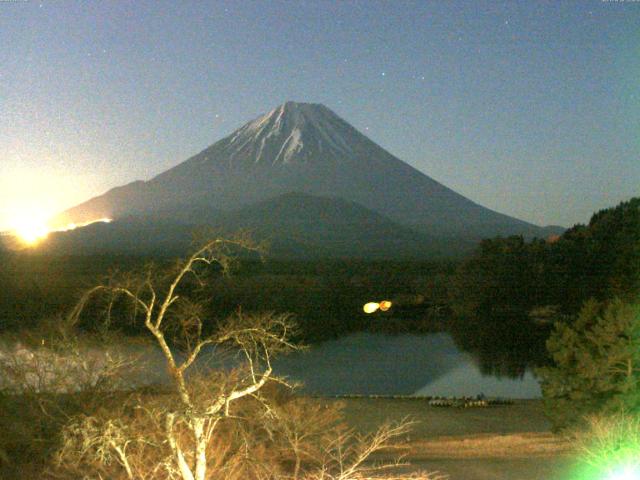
(370, 364)
(378, 364)
(504, 344)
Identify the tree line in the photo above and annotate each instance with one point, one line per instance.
(326, 297)
(567, 303)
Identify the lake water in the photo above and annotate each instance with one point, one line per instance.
(360, 363)
(379, 364)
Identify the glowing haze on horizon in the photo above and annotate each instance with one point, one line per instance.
(31, 228)
(529, 108)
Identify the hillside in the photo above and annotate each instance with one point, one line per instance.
(295, 225)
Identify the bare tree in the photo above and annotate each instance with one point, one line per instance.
(210, 423)
(351, 456)
(324, 448)
(302, 428)
(176, 325)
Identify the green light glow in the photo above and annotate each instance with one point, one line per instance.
(613, 470)
(631, 472)
(608, 448)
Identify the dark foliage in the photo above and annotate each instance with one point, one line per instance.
(596, 364)
(325, 296)
(507, 295)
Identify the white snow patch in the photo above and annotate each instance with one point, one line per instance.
(292, 145)
(295, 130)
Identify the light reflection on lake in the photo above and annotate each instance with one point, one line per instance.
(378, 364)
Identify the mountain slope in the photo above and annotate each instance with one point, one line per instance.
(332, 227)
(307, 148)
(296, 225)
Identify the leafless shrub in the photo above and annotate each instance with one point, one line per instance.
(349, 456)
(46, 377)
(65, 367)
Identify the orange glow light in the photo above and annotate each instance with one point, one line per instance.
(385, 305)
(30, 229)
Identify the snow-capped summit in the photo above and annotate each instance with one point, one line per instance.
(292, 132)
(306, 148)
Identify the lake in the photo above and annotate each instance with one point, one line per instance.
(359, 363)
(406, 364)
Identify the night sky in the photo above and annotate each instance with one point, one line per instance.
(529, 108)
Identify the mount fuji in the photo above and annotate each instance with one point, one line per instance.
(307, 157)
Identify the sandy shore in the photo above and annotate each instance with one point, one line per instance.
(510, 442)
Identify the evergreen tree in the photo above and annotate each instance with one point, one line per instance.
(602, 259)
(596, 363)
